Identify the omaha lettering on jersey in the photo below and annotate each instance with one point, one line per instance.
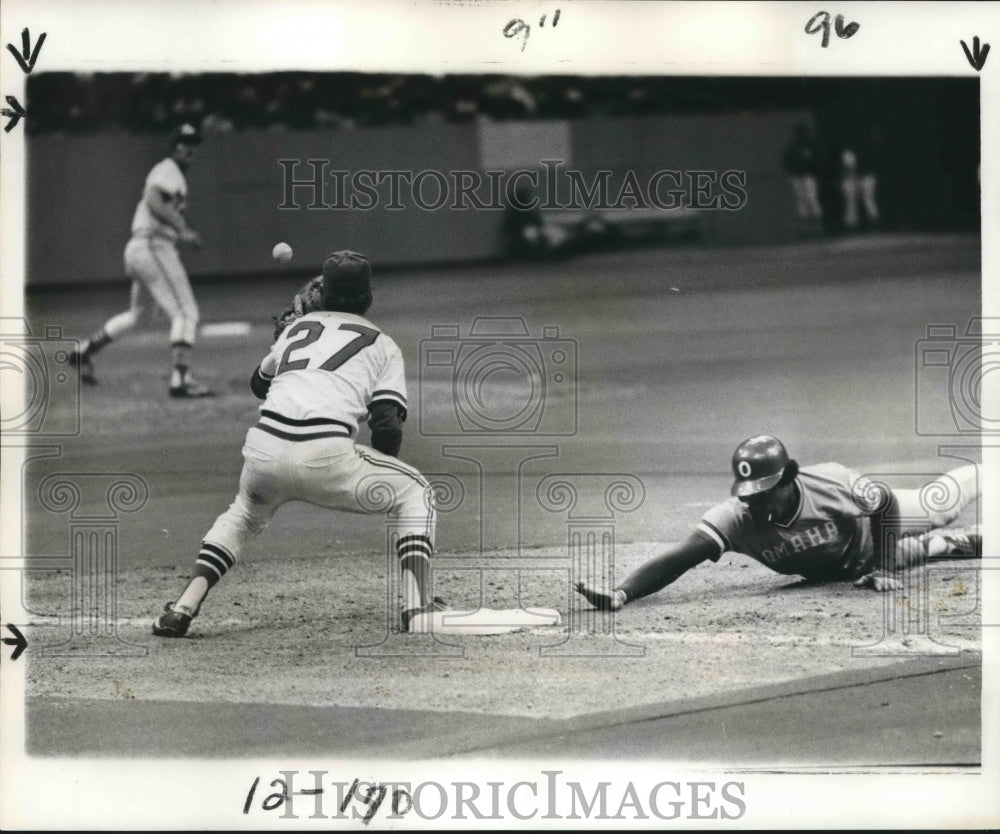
(828, 536)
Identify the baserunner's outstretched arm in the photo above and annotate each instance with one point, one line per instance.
(654, 575)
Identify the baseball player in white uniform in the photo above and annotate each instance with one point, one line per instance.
(801, 165)
(328, 371)
(154, 265)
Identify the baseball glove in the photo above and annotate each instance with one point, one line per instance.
(306, 300)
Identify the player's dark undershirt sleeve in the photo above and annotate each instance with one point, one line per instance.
(661, 570)
(260, 383)
(385, 419)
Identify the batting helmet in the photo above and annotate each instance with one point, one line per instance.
(759, 464)
(347, 282)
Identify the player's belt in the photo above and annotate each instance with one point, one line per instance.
(312, 428)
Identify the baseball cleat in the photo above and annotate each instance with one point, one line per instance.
(601, 600)
(964, 541)
(86, 366)
(407, 616)
(190, 388)
(174, 621)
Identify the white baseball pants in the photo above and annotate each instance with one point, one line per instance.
(155, 268)
(335, 473)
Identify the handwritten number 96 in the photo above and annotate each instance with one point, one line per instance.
(821, 21)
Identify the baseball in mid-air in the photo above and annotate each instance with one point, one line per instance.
(282, 252)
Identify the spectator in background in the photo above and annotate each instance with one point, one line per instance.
(216, 123)
(801, 165)
(858, 184)
(526, 232)
(508, 98)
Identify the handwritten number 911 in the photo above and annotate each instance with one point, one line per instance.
(821, 21)
(518, 28)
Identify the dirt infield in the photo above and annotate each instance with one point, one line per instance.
(668, 382)
(285, 632)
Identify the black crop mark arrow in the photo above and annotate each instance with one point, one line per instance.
(843, 31)
(977, 57)
(27, 56)
(15, 114)
(17, 640)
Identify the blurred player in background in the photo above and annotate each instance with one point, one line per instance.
(153, 264)
(823, 522)
(329, 370)
(858, 184)
(801, 164)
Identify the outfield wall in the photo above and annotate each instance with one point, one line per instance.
(83, 189)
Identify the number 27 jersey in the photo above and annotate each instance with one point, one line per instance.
(330, 367)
